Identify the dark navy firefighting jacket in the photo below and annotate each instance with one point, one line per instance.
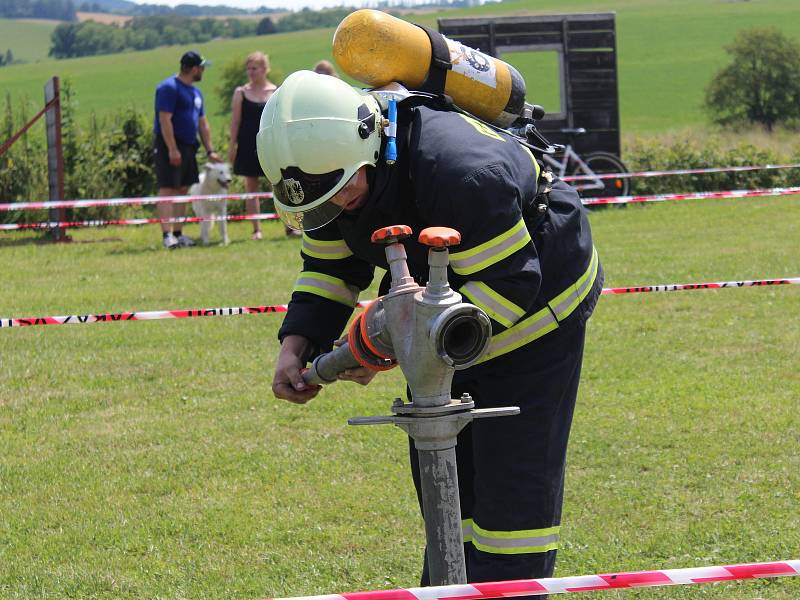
(531, 271)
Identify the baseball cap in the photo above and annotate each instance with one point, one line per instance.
(193, 59)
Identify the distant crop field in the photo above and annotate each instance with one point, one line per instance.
(105, 18)
(667, 52)
(29, 40)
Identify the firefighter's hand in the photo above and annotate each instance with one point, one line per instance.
(360, 375)
(288, 383)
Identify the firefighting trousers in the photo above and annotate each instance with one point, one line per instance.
(511, 469)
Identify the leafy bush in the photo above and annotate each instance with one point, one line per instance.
(650, 154)
(23, 168)
(110, 158)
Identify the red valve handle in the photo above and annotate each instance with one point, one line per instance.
(439, 237)
(391, 234)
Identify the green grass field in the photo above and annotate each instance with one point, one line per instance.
(668, 51)
(29, 41)
(149, 459)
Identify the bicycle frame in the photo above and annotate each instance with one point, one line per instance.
(581, 168)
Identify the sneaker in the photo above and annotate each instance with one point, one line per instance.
(170, 242)
(184, 241)
(257, 235)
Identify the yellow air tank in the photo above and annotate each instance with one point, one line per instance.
(376, 48)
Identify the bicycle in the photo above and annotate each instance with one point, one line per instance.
(588, 169)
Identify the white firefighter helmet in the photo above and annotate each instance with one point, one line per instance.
(316, 131)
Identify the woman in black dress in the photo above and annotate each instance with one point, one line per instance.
(246, 105)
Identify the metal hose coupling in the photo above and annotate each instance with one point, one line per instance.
(358, 351)
(460, 335)
(428, 331)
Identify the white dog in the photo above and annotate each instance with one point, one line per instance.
(215, 177)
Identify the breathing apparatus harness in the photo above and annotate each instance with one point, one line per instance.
(396, 96)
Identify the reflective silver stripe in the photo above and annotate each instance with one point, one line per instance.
(325, 249)
(485, 255)
(466, 530)
(526, 541)
(493, 304)
(328, 287)
(543, 321)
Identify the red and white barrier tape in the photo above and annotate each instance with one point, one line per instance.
(787, 191)
(124, 201)
(677, 287)
(153, 315)
(142, 221)
(179, 199)
(580, 583)
(249, 310)
(677, 172)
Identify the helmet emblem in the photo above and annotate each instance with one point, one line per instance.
(294, 191)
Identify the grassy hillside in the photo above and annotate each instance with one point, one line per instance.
(28, 40)
(668, 51)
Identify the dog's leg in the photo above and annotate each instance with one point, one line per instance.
(223, 223)
(205, 226)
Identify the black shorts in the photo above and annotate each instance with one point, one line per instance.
(169, 176)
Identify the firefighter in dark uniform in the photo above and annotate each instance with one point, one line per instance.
(526, 258)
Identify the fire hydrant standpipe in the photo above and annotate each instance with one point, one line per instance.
(430, 333)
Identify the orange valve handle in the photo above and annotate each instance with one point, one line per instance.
(439, 237)
(391, 234)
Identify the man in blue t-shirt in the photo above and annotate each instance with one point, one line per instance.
(180, 116)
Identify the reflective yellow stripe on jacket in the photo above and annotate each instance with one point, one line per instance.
(543, 321)
(535, 164)
(328, 287)
(493, 304)
(523, 541)
(326, 249)
(485, 255)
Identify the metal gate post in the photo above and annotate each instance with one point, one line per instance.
(55, 156)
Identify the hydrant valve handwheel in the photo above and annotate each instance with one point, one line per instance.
(391, 234)
(439, 237)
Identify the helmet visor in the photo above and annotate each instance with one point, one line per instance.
(312, 218)
(298, 189)
(302, 198)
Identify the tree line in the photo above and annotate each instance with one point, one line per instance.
(71, 40)
(61, 10)
(181, 10)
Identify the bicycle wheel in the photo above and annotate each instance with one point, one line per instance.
(605, 162)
